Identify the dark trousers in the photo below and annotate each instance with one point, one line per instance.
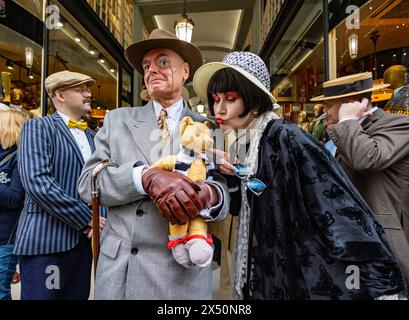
(57, 276)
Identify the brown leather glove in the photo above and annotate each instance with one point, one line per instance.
(178, 198)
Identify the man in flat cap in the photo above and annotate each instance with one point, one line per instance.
(52, 236)
(372, 146)
(134, 262)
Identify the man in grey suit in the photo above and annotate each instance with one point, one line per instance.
(134, 261)
(373, 148)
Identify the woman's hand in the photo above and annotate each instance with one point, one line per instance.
(223, 160)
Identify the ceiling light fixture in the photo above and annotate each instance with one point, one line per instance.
(77, 38)
(9, 65)
(29, 74)
(184, 26)
(29, 57)
(91, 50)
(353, 45)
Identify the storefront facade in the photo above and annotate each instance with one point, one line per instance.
(41, 37)
(21, 36)
(362, 36)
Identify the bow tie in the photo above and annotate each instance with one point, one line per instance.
(80, 125)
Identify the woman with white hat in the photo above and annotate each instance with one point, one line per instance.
(304, 231)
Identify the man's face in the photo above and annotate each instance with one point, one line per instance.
(77, 98)
(331, 107)
(164, 73)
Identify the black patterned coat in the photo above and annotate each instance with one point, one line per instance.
(312, 230)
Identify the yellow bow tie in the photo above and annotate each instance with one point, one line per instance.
(80, 125)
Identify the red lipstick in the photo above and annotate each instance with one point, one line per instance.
(220, 121)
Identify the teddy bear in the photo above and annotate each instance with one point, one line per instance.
(190, 243)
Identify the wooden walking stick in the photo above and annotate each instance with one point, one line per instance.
(95, 207)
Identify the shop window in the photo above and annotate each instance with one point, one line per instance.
(73, 48)
(378, 42)
(20, 72)
(126, 89)
(297, 62)
(304, 75)
(374, 40)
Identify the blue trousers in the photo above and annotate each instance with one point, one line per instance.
(57, 276)
(8, 262)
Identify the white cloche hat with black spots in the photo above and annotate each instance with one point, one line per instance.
(246, 63)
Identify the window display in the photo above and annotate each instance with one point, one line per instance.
(20, 69)
(73, 48)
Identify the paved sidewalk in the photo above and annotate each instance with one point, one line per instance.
(15, 288)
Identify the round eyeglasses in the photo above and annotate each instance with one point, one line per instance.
(83, 91)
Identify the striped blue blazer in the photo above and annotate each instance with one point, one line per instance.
(50, 163)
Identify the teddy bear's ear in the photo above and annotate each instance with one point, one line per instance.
(185, 122)
(208, 124)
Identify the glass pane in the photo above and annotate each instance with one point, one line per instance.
(20, 85)
(86, 56)
(126, 89)
(378, 42)
(297, 62)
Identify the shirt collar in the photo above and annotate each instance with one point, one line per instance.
(64, 117)
(173, 111)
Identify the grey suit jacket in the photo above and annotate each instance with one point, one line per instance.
(135, 262)
(375, 156)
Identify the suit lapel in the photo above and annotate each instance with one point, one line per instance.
(65, 132)
(186, 111)
(90, 136)
(146, 133)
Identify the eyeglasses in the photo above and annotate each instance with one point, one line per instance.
(255, 185)
(162, 63)
(83, 91)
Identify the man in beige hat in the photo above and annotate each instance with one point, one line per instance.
(52, 244)
(373, 148)
(135, 262)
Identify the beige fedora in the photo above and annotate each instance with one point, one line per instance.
(347, 86)
(164, 39)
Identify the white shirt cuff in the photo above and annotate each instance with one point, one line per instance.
(345, 119)
(137, 178)
(210, 214)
